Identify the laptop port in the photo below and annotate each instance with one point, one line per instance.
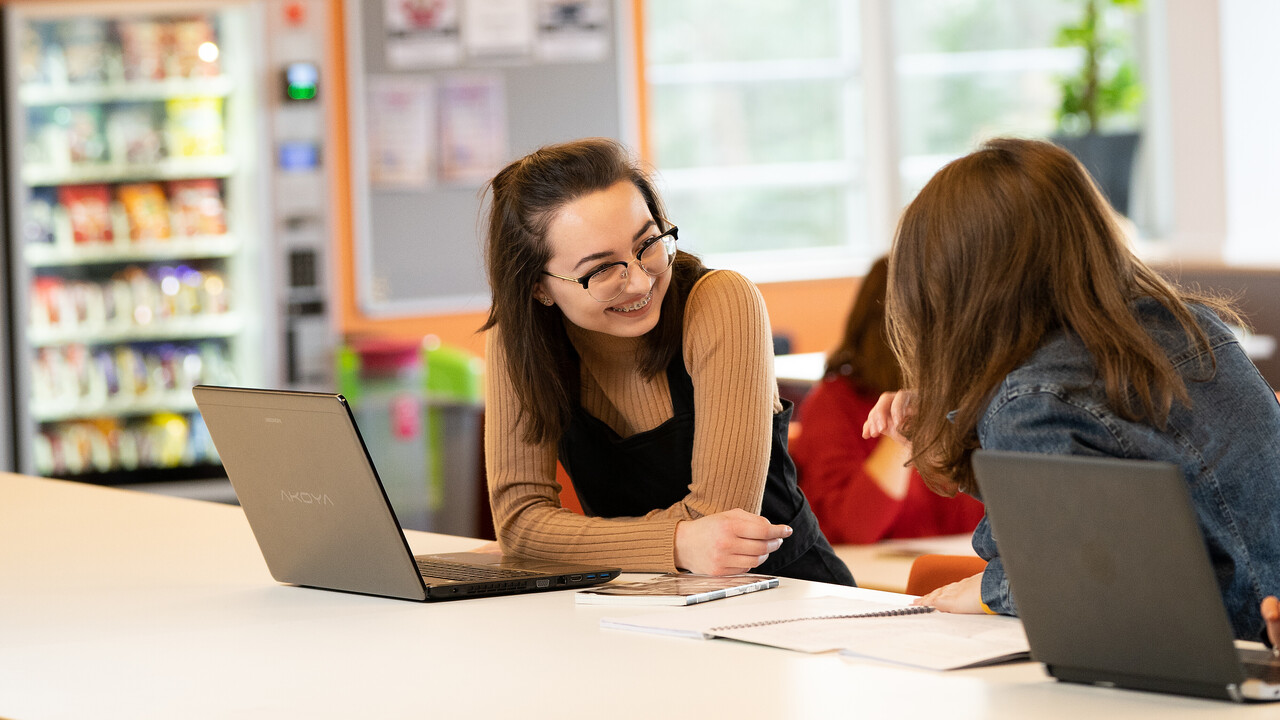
(575, 578)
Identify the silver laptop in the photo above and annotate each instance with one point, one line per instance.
(1111, 577)
(321, 516)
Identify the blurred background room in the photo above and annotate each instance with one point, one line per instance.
(288, 193)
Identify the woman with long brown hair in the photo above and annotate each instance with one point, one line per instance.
(1023, 322)
(862, 489)
(647, 376)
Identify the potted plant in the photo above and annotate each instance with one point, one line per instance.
(1098, 116)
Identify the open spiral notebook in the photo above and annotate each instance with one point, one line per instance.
(903, 634)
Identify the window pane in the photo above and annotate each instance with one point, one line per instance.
(969, 70)
(754, 120)
(949, 114)
(749, 219)
(757, 113)
(968, 25)
(685, 31)
(699, 125)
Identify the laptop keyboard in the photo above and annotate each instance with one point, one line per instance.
(437, 568)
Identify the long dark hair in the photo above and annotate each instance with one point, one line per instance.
(999, 248)
(524, 197)
(864, 358)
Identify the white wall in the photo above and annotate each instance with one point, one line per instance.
(1185, 135)
(1212, 136)
(1251, 129)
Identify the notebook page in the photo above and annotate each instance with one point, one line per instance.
(933, 640)
(937, 641)
(704, 621)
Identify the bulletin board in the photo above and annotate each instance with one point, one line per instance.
(442, 94)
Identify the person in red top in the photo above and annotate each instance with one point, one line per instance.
(861, 490)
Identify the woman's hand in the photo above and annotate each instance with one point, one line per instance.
(964, 596)
(726, 543)
(888, 416)
(1271, 614)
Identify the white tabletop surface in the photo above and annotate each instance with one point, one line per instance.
(118, 604)
(800, 366)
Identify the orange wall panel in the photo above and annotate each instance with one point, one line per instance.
(810, 312)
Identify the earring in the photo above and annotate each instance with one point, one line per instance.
(545, 300)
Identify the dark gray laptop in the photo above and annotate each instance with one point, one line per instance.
(1111, 577)
(321, 516)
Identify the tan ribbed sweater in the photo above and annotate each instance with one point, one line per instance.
(728, 352)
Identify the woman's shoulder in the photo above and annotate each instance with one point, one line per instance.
(1165, 329)
(1052, 419)
(725, 316)
(1061, 359)
(1060, 377)
(723, 282)
(721, 296)
(493, 350)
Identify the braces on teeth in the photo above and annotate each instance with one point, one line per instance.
(636, 305)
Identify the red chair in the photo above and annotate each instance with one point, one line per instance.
(930, 572)
(568, 495)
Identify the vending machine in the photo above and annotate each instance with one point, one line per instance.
(139, 255)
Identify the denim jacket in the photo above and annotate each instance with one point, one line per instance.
(1227, 441)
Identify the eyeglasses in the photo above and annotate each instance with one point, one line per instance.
(607, 282)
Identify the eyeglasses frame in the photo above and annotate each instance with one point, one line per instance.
(671, 232)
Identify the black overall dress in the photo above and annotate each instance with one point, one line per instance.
(630, 477)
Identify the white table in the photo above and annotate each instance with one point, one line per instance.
(118, 604)
(800, 366)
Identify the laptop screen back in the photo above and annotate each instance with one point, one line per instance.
(309, 491)
(1108, 569)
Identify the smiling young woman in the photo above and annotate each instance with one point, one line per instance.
(649, 377)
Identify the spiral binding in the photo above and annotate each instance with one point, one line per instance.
(910, 610)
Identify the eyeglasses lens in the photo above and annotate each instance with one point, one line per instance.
(608, 283)
(655, 259)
